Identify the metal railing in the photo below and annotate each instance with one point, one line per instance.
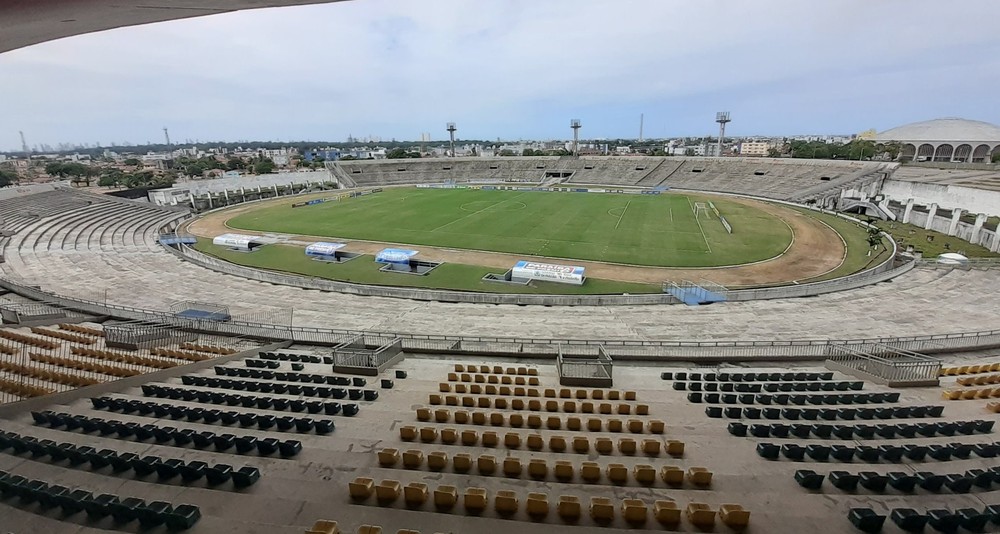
(886, 364)
(544, 347)
(586, 371)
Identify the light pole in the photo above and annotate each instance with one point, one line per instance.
(451, 133)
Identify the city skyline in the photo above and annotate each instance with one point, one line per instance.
(513, 70)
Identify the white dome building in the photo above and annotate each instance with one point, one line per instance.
(946, 140)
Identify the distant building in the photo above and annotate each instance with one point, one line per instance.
(754, 148)
(946, 140)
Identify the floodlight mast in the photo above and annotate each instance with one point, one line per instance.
(451, 132)
(575, 125)
(722, 118)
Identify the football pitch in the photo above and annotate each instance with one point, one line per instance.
(654, 230)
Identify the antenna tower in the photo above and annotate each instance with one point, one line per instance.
(575, 125)
(24, 144)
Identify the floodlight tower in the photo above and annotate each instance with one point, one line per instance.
(575, 125)
(451, 132)
(722, 118)
(24, 144)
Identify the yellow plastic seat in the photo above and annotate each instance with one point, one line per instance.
(512, 467)
(969, 395)
(700, 515)
(531, 371)
(656, 426)
(569, 508)
(387, 491)
(557, 444)
(517, 404)
(617, 474)
(476, 389)
(497, 419)
(494, 379)
(462, 462)
(413, 458)
(644, 474)
(441, 415)
(635, 426)
(549, 393)
(615, 425)
(451, 400)
(459, 368)
(461, 417)
(388, 457)
(445, 497)
(574, 424)
(476, 500)
(597, 394)
(428, 434)
(324, 526)
(628, 395)
(534, 421)
(590, 472)
(699, 476)
(407, 433)
(520, 392)
(581, 394)
(581, 445)
(537, 468)
(533, 380)
(487, 464)
(449, 436)
(734, 516)
(951, 394)
(614, 394)
(484, 402)
(504, 390)
(500, 404)
(491, 389)
(415, 494)
(627, 446)
(605, 408)
(361, 488)
(535, 442)
(505, 502)
(520, 381)
(675, 447)
(435, 399)
(586, 407)
(651, 447)
(468, 402)
(423, 414)
(479, 418)
(437, 460)
(624, 409)
(672, 475)
(461, 389)
(534, 405)
(537, 505)
(553, 422)
(470, 438)
(490, 439)
(604, 446)
(564, 471)
(533, 392)
(634, 511)
(516, 420)
(480, 379)
(369, 529)
(594, 424)
(602, 510)
(569, 406)
(666, 512)
(512, 440)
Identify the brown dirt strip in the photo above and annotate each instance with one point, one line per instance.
(816, 249)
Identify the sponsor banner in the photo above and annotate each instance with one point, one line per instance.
(650, 192)
(239, 241)
(323, 249)
(394, 255)
(565, 274)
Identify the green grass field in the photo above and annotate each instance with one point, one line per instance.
(654, 230)
(363, 270)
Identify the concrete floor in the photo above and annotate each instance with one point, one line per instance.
(293, 493)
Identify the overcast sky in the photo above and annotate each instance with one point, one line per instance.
(514, 69)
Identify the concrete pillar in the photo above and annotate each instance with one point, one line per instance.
(885, 206)
(906, 212)
(210, 205)
(995, 246)
(225, 193)
(955, 216)
(930, 217)
(191, 200)
(980, 221)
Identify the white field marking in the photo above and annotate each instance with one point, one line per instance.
(671, 210)
(697, 220)
(475, 212)
(623, 213)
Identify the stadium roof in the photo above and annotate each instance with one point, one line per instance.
(948, 129)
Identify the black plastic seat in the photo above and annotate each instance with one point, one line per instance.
(751, 413)
(809, 479)
(901, 481)
(930, 481)
(971, 519)
(843, 480)
(760, 431)
(800, 430)
(100, 506)
(127, 509)
(245, 476)
(908, 519)
(873, 481)
(324, 427)
(980, 477)
(715, 412)
(154, 513)
(819, 453)
(771, 413)
(218, 474)
(941, 453)
(289, 448)
(192, 470)
(711, 398)
(731, 412)
(791, 413)
(793, 452)
(267, 446)
(72, 502)
(284, 423)
(737, 429)
(958, 483)
(693, 396)
(183, 517)
(768, 451)
(985, 450)
(891, 453)
(868, 454)
(245, 444)
(168, 469)
(914, 452)
(943, 520)
(842, 453)
(203, 440)
(351, 410)
(961, 450)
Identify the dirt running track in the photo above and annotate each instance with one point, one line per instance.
(816, 249)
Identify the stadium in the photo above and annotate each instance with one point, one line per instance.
(156, 380)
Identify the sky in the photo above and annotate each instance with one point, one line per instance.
(510, 69)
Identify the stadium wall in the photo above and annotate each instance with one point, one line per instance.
(945, 196)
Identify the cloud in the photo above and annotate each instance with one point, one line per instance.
(510, 69)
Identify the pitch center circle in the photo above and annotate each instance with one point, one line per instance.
(488, 205)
